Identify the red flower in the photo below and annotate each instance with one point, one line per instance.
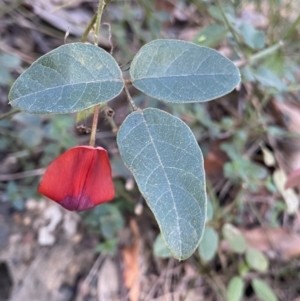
(79, 179)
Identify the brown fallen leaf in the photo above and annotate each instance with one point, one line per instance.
(188, 34)
(279, 240)
(130, 255)
(214, 161)
(290, 119)
(275, 242)
(293, 179)
(65, 17)
(166, 6)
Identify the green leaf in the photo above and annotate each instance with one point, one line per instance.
(70, 78)
(210, 211)
(110, 219)
(253, 38)
(248, 74)
(210, 36)
(276, 63)
(269, 79)
(28, 119)
(167, 163)
(234, 238)
(290, 196)
(82, 116)
(235, 289)
(160, 248)
(263, 290)
(245, 169)
(243, 268)
(109, 246)
(5, 76)
(9, 61)
(216, 13)
(209, 244)
(182, 72)
(31, 136)
(257, 260)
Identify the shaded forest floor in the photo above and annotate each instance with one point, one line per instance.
(249, 138)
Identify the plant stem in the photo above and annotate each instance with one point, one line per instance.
(92, 22)
(229, 26)
(292, 29)
(113, 124)
(98, 20)
(266, 52)
(126, 83)
(94, 126)
(88, 29)
(11, 112)
(6, 9)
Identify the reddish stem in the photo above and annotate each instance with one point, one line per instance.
(94, 126)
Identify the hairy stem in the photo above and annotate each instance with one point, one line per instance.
(11, 112)
(98, 20)
(126, 83)
(94, 126)
(88, 29)
(229, 26)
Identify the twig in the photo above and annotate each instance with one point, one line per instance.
(229, 26)
(25, 58)
(8, 8)
(11, 112)
(129, 96)
(23, 174)
(85, 284)
(109, 38)
(98, 20)
(88, 29)
(168, 280)
(94, 126)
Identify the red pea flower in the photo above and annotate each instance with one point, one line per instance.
(79, 179)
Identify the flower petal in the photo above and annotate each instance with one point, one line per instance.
(79, 179)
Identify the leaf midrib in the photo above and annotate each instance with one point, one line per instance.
(170, 190)
(184, 75)
(63, 86)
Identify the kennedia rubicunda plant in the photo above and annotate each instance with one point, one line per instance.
(158, 148)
